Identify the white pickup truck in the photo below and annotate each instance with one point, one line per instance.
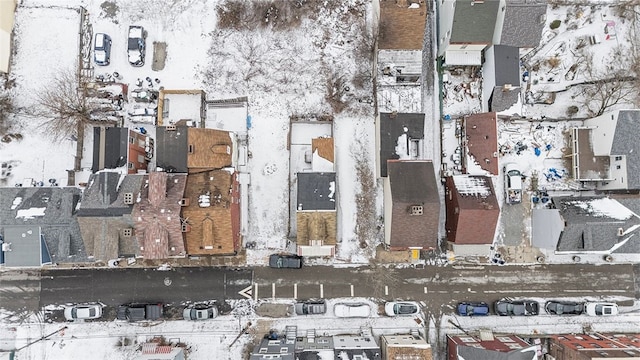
(512, 184)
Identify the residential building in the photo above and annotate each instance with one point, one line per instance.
(178, 105)
(481, 144)
(313, 347)
(488, 346)
(105, 215)
(500, 78)
(156, 351)
(405, 347)
(411, 206)
(472, 214)
(7, 18)
(355, 347)
(157, 216)
(400, 136)
(594, 346)
(274, 346)
(523, 23)
(38, 225)
(211, 213)
(602, 151)
(115, 147)
(316, 216)
(401, 34)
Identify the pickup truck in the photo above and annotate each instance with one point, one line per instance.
(512, 184)
(139, 312)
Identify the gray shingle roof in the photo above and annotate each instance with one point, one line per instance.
(625, 142)
(502, 99)
(171, 149)
(104, 195)
(507, 60)
(523, 23)
(391, 127)
(474, 22)
(316, 191)
(114, 150)
(59, 225)
(472, 353)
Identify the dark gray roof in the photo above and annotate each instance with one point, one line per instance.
(503, 99)
(588, 230)
(523, 23)
(625, 142)
(473, 353)
(59, 225)
(392, 125)
(474, 22)
(316, 191)
(507, 60)
(274, 349)
(413, 182)
(104, 195)
(27, 245)
(114, 150)
(171, 149)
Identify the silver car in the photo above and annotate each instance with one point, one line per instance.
(83, 312)
(200, 312)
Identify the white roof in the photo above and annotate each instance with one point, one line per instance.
(463, 57)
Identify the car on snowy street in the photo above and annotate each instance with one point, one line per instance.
(287, 261)
(102, 49)
(508, 307)
(311, 307)
(136, 46)
(401, 308)
(140, 311)
(348, 310)
(470, 308)
(200, 312)
(564, 307)
(601, 309)
(83, 311)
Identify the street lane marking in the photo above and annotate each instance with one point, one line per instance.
(425, 289)
(246, 292)
(295, 291)
(351, 290)
(255, 293)
(273, 290)
(386, 290)
(321, 291)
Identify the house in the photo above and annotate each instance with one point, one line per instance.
(500, 78)
(7, 17)
(594, 346)
(466, 28)
(105, 215)
(211, 213)
(486, 346)
(316, 216)
(399, 136)
(472, 214)
(401, 32)
(175, 105)
(156, 215)
(114, 147)
(603, 148)
(481, 139)
(313, 347)
(354, 347)
(523, 23)
(405, 346)
(183, 149)
(411, 206)
(38, 225)
(596, 225)
(156, 351)
(274, 346)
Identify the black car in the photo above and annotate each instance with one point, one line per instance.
(564, 307)
(136, 45)
(278, 261)
(507, 307)
(139, 312)
(311, 307)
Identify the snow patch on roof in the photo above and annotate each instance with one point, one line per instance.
(401, 147)
(30, 213)
(605, 207)
(475, 186)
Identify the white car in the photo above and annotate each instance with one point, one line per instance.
(347, 310)
(512, 184)
(401, 308)
(602, 309)
(83, 311)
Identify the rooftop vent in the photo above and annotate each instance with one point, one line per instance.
(417, 210)
(128, 198)
(171, 128)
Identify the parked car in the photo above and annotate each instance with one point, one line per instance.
(311, 307)
(83, 311)
(564, 307)
(401, 308)
(102, 49)
(200, 312)
(348, 310)
(601, 309)
(278, 261)
(473, 308)
(138, 312)
(136, 45)
(508, 307)
(512, 184)
(143, 111)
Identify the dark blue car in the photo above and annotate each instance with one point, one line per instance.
(473, 308)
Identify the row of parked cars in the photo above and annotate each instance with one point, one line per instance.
(355, 309)
(136, 45)
(509, 307)
(139, 311)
